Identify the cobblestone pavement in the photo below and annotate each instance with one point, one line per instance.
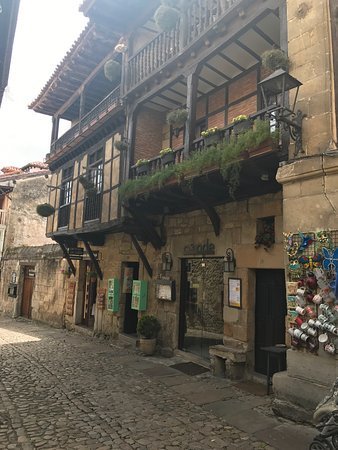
(60, 390)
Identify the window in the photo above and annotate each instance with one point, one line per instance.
(95, 169)
(66, 186)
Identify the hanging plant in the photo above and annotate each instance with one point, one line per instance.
(166, 17)
(88, 186)
(112, 70)
(275, 59)
(178, 117)
(45, 210)
(121, 146)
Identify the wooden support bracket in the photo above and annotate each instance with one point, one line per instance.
(209, 210)
(66, 255)
(142, 255)
(93, 259)
(146, 227)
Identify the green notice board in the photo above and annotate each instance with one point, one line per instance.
(113, 294)
(139, 295)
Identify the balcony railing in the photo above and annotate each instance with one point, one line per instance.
(194, 22)
(105, 106)
(270, 114)
(92, 210)
(63, 217)
(2, 217)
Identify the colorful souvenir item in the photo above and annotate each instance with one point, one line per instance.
(305, 241)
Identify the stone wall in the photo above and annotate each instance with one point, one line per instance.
(24, 225)
(48, 298)
(238, 230)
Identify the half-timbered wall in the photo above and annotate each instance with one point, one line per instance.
(109, 210)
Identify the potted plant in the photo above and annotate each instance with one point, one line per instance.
(45, 210)
(148, 328)
(176, 119)
(275, 59)
(142, 167)
(211, 136)
(241, 124)
(167, 156)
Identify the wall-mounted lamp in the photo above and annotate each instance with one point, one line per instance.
(229, 260)
(167, 261)
(274, 89)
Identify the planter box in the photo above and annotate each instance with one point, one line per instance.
(212, 139)
(241, 127)
(168, 158)
(142, 170)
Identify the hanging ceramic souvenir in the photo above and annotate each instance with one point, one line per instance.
(330, 348)
(317, 299)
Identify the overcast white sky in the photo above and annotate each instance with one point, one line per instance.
(45, 31)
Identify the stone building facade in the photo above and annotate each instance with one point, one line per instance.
(32, 279)
(179, 230)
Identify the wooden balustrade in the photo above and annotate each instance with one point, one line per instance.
(194, 22)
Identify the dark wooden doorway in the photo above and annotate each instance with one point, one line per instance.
(27, 291)
(201, 305)
(130, 271)
(90, 292)
(269, 315)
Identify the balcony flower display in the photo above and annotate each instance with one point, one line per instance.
(112, 70)
(177, 119)
(167, 156)
(241, 123)
(142, 166)
(211, 136)
(166, 17)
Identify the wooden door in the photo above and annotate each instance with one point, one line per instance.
(269, 315)
(27, 291)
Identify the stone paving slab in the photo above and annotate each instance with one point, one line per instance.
(284, 437)
(59, 390)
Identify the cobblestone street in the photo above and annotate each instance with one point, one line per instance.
(61, 390)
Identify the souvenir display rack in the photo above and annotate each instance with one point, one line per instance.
(312, 290)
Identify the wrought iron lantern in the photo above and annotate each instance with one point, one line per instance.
(229, 261)
(274, 90)
(167, 261)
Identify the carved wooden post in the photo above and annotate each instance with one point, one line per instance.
(190, 126)
(55, 128)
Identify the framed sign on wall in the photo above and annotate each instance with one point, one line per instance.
(235, 293)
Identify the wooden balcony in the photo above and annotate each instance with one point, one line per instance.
(225, 134)
(3, 217)
(201, 17)
(243, 165)
(87, 122)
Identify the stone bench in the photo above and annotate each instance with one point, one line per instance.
(227, 361)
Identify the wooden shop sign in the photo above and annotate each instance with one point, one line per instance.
(100, 299)
(70, 298)
(206, 248)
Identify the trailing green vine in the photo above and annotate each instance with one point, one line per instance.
(225, 156)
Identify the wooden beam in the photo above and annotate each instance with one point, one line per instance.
(93, 259)
(146, 227)
(66, 255)
(142, 256)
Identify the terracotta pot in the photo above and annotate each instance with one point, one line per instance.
(147, 346)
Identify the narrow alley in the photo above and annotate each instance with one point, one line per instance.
(61, 390)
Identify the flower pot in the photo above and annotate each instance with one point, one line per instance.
(142, 169)
(241, 127)
(212, 139)
(147, 346)
(168, 158)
